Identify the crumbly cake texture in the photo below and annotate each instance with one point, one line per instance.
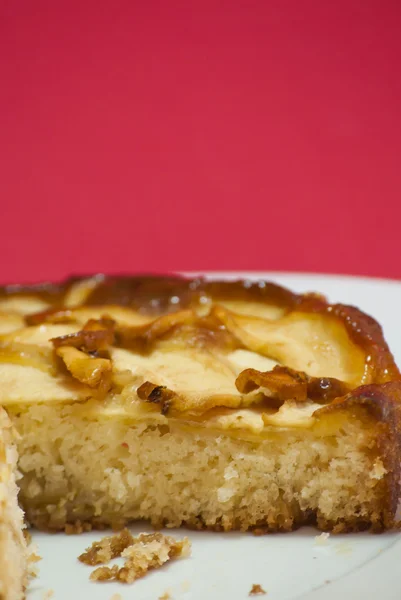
(13, 552)
(217, 405)
(143, 553)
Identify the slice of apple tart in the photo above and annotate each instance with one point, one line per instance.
(219, 405)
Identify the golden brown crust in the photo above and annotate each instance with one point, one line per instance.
(375, 522)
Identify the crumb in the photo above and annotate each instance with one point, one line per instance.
(257, 590)
(185, 586)
(27, 536)
(33, 558)
(104, 573)
(150, 551)
(321, 540)
(327, 581)
(166, 595)
(107, 549)
(116, 597)
(48, 594)
(145, 552)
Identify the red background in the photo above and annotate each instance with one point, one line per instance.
(143, 136)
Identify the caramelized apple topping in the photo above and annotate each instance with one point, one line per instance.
(280, 381)
(143, 336)
(96, 336)
(158, 394)
(184, 328)
(94, 372)
(51, 315)
(284, 384)
(85, 353)
(274, 388)
(194, 345)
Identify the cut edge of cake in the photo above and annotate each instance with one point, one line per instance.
(340, 474)
(13, 548)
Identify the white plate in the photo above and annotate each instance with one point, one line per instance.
(225, 566)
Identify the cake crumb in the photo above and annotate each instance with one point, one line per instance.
(257, 590)
(143, 553)
(104, 573)
(107, 548)
(48, 594)
(166, 595)
(185, 586)
(116, 597)
(321, 540)
(27, 536)
(33, 558)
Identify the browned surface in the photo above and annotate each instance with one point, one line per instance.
(156, 295)
(374, 523)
